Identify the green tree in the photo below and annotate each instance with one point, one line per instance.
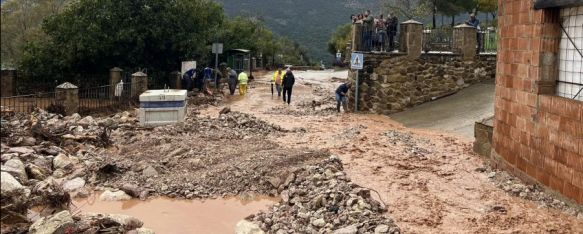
(339, 39)
(453, 8)
(92, 36)
(410, 9)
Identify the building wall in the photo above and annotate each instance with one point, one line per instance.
(537, 135)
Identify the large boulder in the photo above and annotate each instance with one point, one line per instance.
(21, 150)
(16, 168)
(73, 184)
(62, 161)
(246, 227)
(61, 222)
(11, 187)
(125, 221)
(114, 196)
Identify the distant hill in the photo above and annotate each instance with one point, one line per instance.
(309, 22)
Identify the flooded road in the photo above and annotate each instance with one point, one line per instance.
(165, 215)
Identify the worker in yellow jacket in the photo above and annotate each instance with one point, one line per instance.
(243, 78)
(276, 80)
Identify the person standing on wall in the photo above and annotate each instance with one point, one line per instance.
(288, 84)
(368, 30)
(243, 79)
(474, 22)
(276, 81)
(341, 96)
(232, 80)
(392, 24)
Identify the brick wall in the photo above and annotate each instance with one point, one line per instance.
(537, 135)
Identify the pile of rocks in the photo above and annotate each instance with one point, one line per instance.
(64, 222)
(516, 187)
(40, 159)
(321, 199)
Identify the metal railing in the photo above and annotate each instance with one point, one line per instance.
(28, 103)
(105, 98)
(438, 40)
(377, 40)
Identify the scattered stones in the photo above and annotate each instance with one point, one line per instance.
(108, 195)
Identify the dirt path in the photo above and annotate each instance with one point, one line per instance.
(431, 180)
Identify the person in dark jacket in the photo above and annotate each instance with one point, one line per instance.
(392, 24)
(288, 84)
(341, 92)
(232, 74)
(187, 78)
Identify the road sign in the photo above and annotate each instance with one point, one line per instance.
(217, 48)
(357, 61)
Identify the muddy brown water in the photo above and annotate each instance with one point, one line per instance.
(166, 215)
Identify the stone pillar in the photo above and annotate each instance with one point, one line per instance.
(67, 94)
(357, 37)
(177, 80)
(8, 83)
(139, 84)
(114, 78)
(411, 39)
(465, 41)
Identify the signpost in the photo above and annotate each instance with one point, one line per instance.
(217, 49)
(357, 64)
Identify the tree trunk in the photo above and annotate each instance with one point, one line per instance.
(453, 21)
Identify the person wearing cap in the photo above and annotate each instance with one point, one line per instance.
(243, 79)
(474, 22)
(277, 80)
(232, 80)
(288, 84)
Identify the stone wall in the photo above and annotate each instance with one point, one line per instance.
(393, 83)
(483, 132)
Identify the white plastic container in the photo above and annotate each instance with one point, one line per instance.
(162, 106)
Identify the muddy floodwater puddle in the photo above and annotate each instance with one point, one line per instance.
(167, 215)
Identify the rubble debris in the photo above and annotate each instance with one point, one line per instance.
(61, 222)
(533, 192)
(321, 199)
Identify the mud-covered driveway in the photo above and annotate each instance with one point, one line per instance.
(431, 179)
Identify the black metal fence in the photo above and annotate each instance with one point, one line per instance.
(28, 103)
(438, 40)
(105, 98)
(377, 40)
